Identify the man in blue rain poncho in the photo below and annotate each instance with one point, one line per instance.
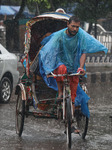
(65, 51)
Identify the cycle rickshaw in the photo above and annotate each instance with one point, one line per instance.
(32, 91)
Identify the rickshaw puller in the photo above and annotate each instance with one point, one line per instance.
(65, 51)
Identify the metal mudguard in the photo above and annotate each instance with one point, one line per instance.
(21, 87)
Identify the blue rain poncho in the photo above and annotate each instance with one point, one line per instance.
(58, 49)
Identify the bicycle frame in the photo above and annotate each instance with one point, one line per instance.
(66, 89)
(66, 94)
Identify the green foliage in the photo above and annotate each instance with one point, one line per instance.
(91, 10)
(43, 5)
(87, 10)
(10, 2)
(46, 5)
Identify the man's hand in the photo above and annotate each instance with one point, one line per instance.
(81, 70)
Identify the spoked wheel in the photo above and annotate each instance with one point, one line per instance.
(82, 122)
(68, 122)
(20, 114)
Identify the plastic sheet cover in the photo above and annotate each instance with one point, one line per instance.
(59, 49)
(62, 49)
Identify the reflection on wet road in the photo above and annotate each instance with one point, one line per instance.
(44, 134)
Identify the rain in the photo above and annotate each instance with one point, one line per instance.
(49, 134)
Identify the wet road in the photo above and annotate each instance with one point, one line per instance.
(44, 134)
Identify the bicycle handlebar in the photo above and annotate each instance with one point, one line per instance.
(64, 75)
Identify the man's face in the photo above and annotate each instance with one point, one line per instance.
(73, 28)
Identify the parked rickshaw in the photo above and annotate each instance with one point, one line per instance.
(32, 90)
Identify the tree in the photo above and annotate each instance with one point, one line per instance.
(23, 4)
(41, 6)
(92, 10)
(12, 26)
(38, 6)
(10, 2)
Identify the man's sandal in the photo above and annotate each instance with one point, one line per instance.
(74, 130)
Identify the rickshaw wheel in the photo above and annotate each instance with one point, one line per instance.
(69, 122)
(82, 122)
(20, 114)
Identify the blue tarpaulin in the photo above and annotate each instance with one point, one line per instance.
(61, 49)
(13, 10)
(6, 10)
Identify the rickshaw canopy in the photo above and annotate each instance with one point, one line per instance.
(39, 26)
